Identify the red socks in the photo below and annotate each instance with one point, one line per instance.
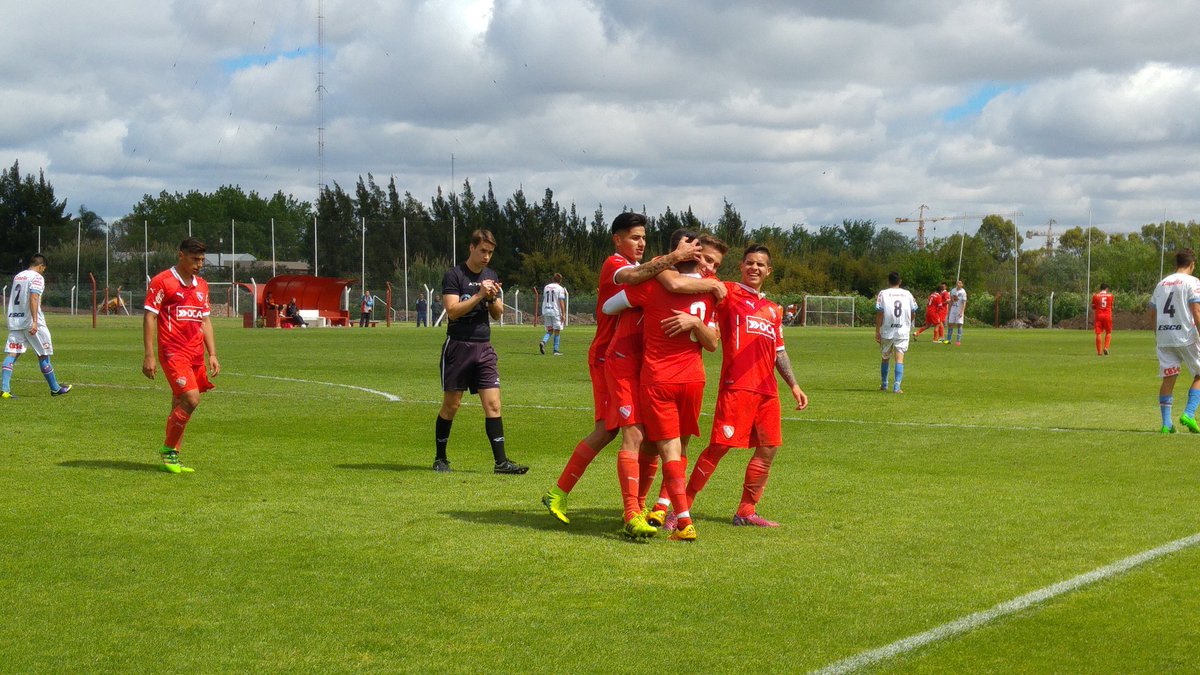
(176, 423)
(752, 489)
(647, 467)
(675, 479)
(705, 466)
(629, 473)
(580, 459)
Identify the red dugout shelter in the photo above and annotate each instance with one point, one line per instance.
(323, 294)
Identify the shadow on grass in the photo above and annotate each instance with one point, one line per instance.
(603, 523)
(109, 464)
(380, 466)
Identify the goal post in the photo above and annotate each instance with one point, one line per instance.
(828, 310)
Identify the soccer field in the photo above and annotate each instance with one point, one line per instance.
(314, 536)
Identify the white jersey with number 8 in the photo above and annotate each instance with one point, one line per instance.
(897, 306)
(1172, 300)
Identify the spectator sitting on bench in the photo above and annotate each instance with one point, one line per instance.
(293, 315)
(270, 304)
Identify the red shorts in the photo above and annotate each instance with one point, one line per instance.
(746, 419)
(671, 410)
(622, 409)
(1104, 324)
(932, 316)
(599, 389)
(186, 373)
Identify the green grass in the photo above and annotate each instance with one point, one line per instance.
(314, 537)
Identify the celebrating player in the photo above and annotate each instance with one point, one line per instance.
(177, 313)
(1102, 304)
(554, 310)
(933, 314)
(1176, 304)
(471, 294)
(958, 312)
(748, 413)
(671, 385)
(893, 322)
(614, 363)
(27, 327)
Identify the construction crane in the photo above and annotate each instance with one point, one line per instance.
(1048, 233)
(920, 220)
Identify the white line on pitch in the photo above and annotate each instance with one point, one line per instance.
(972, 621)
(390, 397)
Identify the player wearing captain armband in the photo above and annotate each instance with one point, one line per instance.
(27, 328)
(671, 386)
(1176, 305)
(177, 320)
(894, 308)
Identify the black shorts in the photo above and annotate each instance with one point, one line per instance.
(469, 366)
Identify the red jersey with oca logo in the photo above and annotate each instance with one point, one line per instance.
(181, 309)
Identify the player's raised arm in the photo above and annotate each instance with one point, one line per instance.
(783, 365)
(675, 282)
(495, 305)
(688, 249)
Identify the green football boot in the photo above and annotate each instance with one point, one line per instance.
(1190, 423)
(1167, 430)
(638, 528)
(555, 502)
(171, 463)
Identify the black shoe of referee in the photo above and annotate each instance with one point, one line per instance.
(441, 465)
(511, 468)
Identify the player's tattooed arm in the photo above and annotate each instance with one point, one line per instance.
(783, 365)
(688, 249)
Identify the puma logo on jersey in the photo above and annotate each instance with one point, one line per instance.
(760, 326)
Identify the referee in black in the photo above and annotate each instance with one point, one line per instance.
(471, 294)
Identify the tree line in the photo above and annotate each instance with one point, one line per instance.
(539, 236)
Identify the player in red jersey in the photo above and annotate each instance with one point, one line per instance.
(177, 318)
(1102, 304)
(748, 411)
(933, 315)
(671, 386)
(944, 314)
(613, 413)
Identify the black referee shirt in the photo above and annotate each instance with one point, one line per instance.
(475, 325)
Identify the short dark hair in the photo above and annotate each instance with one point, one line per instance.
(557, 277)
(1104, 287)
(37, 259)
(192, 245)
(627, 221)
(1185, 257)
(757, 248)
(893, 278)
(480, 236)
(681, 234)
(712, 242)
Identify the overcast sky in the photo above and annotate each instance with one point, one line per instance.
(797, 112)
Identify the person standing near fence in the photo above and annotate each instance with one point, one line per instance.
(422, 311)
(177, 318)
(1102, 304)
(554, 311)
(958, 311)
(27, 327)
(471, 293)
(366, 305)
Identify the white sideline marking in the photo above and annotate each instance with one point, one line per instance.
(973, 621)
(391, 397)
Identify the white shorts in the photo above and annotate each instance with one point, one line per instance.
(20, 340)
(1170, 359)
(552, 320)
(887, 346)
(955, 316)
